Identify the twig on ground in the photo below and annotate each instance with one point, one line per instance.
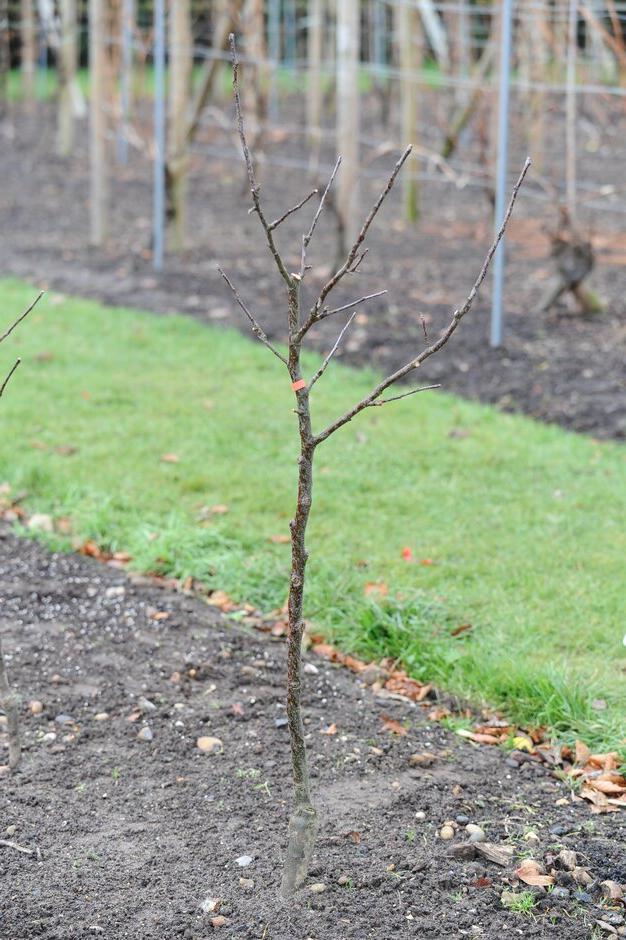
(17, 848)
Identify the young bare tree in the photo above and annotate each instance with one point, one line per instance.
(299, 322)
(9, 699)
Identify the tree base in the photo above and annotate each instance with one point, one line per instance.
(302, 831)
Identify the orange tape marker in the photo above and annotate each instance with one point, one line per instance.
(296, 386)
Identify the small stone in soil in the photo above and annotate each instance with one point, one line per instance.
(446, 832)
(247, 883)
(210, 905)
(36, 708)
(343, 880)
(146, 705)
(101, 716)
(280, 722)
(11, 830)
(244, 860)
(145, 734)
(582, 897)
(207, 744)
(420, 816)
(310, 669)
(219, 921)
(567, 858)
(462, 820)
(317, 888)
(476, 834)
(64, 720)
(561, 830)
(49, 737)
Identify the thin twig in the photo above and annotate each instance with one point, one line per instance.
(291, 211)
(254, 188)
(457, 316)
(330, 313)
(18, 848)
(347, 266)
(413, 391)
(22, 317)
(322, 369)
(256, 328)
(309, 234)
(6, 381)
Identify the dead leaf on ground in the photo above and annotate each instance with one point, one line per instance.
(410, 688)
(222, 600)
(330, 730)
(374, 589)
(159, 615)
(281, 539)
(531, 873)
(391, 724)
(170, 458)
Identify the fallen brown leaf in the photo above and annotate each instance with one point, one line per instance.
(531, 873)
(170, 458)
(391, 724)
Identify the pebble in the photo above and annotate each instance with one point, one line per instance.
(280, 723)
(612, 918)
(146, 705)
(476, 834)
(219, 921)
(49, 737)
(317, 888)
(101, 716)
(446, 832)
(560, 894)
(462, 820)
(11, 830)
(247, 883)
(581, 876)
(145, 734)
(420, 816)
(532, 837)
(583, 897)
(343, 880)
(116, 591)
(561, 830)
(207, 744)
(244, 860)
(210, 905)
(310, 669)
(567, 858)
(64, 720)
(36, 707)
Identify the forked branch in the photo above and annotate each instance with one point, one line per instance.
(456, 318)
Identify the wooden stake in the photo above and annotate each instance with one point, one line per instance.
(98, 124)
(314, 71)
(29, 55)
(348, 122)
(409, 38)
(67, 77)
(181, 59)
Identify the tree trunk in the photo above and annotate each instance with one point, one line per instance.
(303, 820)
(98, 124)
(29, 54)
(348, 123)
(181, 59)
(4, 58)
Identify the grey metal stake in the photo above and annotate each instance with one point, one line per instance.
(158, 209)
(503, 163)
(126, 78)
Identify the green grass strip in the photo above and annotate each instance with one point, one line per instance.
(525, 524)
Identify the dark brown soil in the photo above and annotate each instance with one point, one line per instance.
(128, 837)
(559, 368)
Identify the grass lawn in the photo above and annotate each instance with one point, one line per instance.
(524, 525)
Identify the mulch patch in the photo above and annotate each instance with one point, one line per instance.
(135, 833)
(558, 368)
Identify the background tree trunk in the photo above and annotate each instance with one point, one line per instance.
(181, 61)
(98, 124)
(29, 55)
(409, 39)
(66, 69)
(348, 120)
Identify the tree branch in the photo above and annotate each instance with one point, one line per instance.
(256, 328)
(22, 316)
(352, 254)
(457, 316)
(289, 212)
(254, 188)
(309, 234)
(6, 381)
(322, 369)
(413, 391)
(330, 313)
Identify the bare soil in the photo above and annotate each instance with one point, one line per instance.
(128, 837)
(559, 368)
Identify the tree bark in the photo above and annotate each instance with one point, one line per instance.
(66, 68)
(410, 60)
(314, 71)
